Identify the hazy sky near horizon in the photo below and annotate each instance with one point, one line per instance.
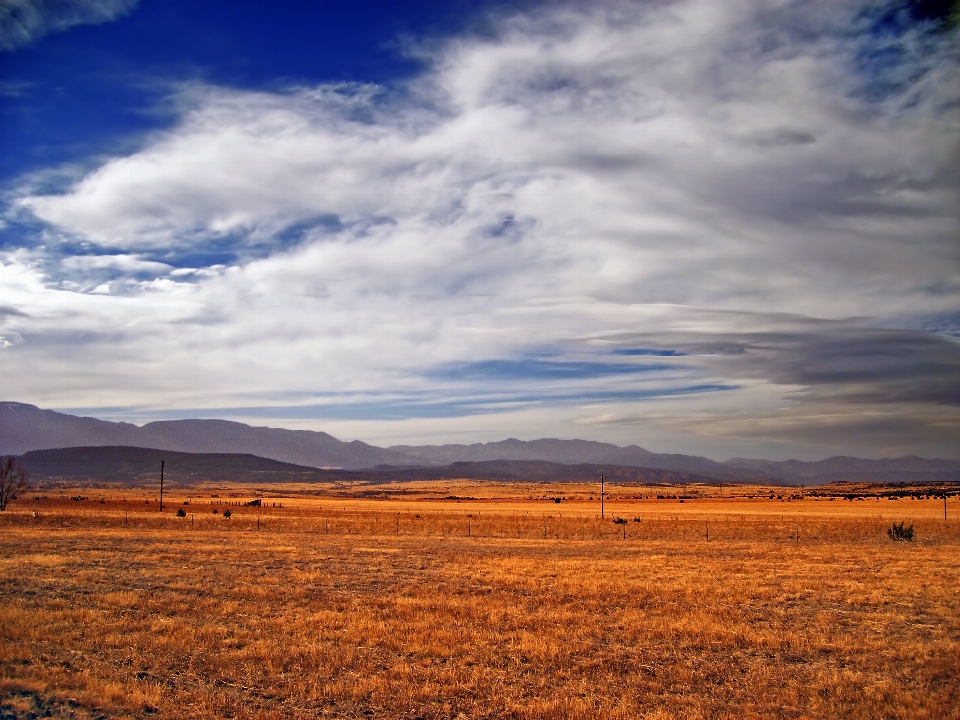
(723, 228)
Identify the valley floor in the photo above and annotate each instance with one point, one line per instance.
(364, 611)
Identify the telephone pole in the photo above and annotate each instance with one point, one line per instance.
(602, 478)
(161, 486)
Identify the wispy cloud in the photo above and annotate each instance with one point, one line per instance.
(617, 195)
(23, 21)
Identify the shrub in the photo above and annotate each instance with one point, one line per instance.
(619, 521)
(226, 513)
(181, 513)
(899, 533)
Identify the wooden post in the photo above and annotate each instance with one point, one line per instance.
(468, 526)
(161, 486)
(602, 478)
(258, 522)
(398, 523)
(944, 506)
(708, 531)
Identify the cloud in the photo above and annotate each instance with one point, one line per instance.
(725, 196)
(878, 430)
(24, 21)
(830, 359)
(840, 385)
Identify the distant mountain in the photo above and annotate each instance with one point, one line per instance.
(133, 465)
(25, 427)
(532, 471)
(565, 452)
(841, 467)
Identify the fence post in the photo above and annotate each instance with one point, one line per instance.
(602, 478)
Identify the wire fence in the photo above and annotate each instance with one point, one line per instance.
(532, 525)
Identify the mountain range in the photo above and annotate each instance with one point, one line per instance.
(24, 428)
(133, 465)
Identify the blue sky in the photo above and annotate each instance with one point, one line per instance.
(717, 228)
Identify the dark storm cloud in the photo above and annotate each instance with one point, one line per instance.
(831, 361)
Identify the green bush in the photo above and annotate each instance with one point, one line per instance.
(899, 533)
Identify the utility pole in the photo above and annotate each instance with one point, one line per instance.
(602, 478)
(161, 486)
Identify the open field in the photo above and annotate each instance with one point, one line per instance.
(478, 601)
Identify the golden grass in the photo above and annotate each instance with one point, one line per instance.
(332, 610)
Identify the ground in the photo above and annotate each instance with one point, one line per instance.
(496, 602)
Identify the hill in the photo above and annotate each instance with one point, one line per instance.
(25, 428)
(134, 466)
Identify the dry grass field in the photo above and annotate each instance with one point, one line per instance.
(474, 600)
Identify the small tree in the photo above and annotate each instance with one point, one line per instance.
(13, 480)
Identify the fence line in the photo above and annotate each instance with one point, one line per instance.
(477, 525)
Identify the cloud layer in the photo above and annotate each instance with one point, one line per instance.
(687, 211)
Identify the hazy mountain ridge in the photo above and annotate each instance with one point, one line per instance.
(841, 465)
(25, 427)
(564, 452)
(132, 466)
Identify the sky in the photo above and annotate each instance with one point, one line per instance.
(718, 228)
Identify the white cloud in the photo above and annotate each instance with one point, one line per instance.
(23, 21)
(687, 167)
